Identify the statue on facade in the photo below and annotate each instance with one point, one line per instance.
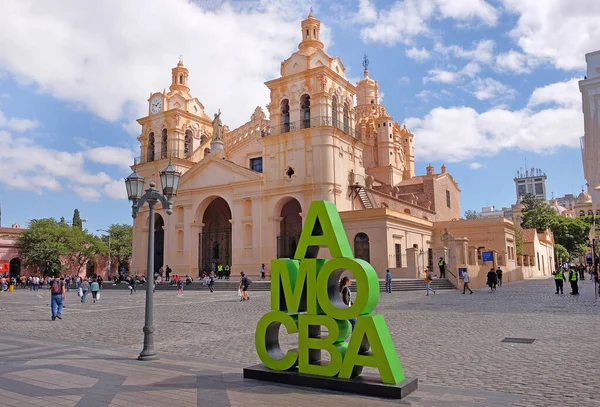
(217, 133)
(446, 235)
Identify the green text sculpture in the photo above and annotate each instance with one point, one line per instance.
(305, 296)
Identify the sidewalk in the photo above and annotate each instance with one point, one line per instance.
(42, 373)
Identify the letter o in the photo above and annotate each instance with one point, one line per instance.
(367, 288)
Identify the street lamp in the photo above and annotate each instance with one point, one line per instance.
(107, 231)
(169, 179)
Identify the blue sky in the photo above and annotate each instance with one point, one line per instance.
(483, 84)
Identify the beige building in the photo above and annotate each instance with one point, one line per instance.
(244, 192)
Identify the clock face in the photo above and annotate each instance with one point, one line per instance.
(156, 105)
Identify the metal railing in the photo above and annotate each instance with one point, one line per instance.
(185, 154)
(319, 121)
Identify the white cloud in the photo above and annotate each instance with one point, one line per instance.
(115, 189)
(489, 88)
(461, 133)
(113, 67)
(29, 166)
(560, 32)
(475, 165)
(406, 19)
(418, 54)
(404, 80)
(441, 76)
(516, 62)
(482, 52)
(122, 157)
(17, 124)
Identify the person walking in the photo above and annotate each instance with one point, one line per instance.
(581, 270)
(132, 285)
(499, 276)
(244, 283)
(85, 289)
(559, 277)
(262, 272)
(388, 281)
(168, 272)
(573, 274)
(428, 280)
(179, 287)
(442, 266)
(465, 278)
(57, 296)
(95, 287)
(347, 296)
(492, 279)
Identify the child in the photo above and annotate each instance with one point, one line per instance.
(180, 287)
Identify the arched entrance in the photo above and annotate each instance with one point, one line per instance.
(15, 267)
(214, 243)
(159, 242)
(361, 247)
(290, 228)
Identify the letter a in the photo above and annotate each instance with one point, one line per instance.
(323, 228)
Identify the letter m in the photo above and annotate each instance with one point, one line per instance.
(293, 285)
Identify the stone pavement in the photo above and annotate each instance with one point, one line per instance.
(451, 342)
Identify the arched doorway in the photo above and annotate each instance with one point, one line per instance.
(15, 267)
(214, 244)
(290, 228)
(159, 242)
(361, 247)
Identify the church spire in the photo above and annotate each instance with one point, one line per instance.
(179, 77)
(311, 33)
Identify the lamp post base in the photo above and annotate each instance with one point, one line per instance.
(147, 355)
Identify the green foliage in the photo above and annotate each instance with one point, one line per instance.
(62, 220)
(469, 214)
(562, 254)
(570, 233)
(77, 220)
(49, 246)
(519, 240)
(121, 241)
(528, 201)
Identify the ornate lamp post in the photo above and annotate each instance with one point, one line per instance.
(169, 178)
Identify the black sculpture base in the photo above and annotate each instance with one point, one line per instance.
(364, 385)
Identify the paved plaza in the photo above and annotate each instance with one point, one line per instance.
(451, 342)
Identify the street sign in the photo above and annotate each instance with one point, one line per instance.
(487, 256)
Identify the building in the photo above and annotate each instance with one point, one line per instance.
(9, 251)
(590, 142)
(491, 212)
(567, 201)
(539, 248)
(244, 192)
(531, 182)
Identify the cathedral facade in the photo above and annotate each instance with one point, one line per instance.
(244, 192)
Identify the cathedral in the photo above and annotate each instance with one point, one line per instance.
(244, 192)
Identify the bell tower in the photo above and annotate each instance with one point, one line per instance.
(179, 77)
(311, 32)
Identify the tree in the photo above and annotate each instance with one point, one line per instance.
(519, 240)
(77, 220)
(121, 241)
(471, 215)
(62, 220)
(82, 248)
(528, 201)
(539, 216)
(562, 254)
(43, 245)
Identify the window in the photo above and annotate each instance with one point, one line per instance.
(539, 188)
(187, 146)
(361, 247)
(150, 152)
(346, 118)
(448, 199)
(398, 252)
(285, 116)
(522, 190)
(581, 213)
(163, 145)
(334, 111)
(256, 164)
(180, 79)
(305, 111)
(590, 213)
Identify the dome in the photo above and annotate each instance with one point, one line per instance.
(584, 197)
(559, 209)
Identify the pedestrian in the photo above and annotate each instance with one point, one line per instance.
(244, 283)
(465, 278)
(180, 287)
(85, 289)
(428, 280)
(132, 285)
(168, 272)
(262, 272)
(442, 266)
(95, 287)
(220, 271)
(211, 282)
(227, 271)
(346, 295)
(559, 277)
(573, 280)
(492, 279)
(499, 276)
(388, 281)
(57, 296)
(581, 270)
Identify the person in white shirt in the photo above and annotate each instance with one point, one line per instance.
(465, 277)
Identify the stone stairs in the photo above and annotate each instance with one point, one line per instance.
(404, 284)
